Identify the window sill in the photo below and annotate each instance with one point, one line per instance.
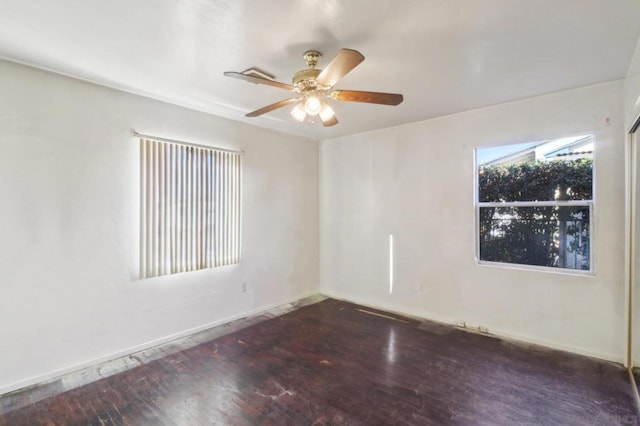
(532, 268)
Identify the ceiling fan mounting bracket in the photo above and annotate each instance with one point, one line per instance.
(312, 57)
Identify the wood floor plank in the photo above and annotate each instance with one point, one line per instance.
(331, 363)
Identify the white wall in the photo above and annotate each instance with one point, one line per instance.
(69, 225)
(416, 182)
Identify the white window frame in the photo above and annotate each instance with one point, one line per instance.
(572, 203)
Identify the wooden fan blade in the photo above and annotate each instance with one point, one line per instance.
(345, 61)
(368, 97)
(271, 107)
(258, 80)
(329, 122)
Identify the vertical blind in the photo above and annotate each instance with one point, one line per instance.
(190, 208)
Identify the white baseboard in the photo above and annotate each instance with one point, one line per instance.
(492, 332)
(52, 375)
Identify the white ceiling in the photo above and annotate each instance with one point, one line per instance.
(444, 56)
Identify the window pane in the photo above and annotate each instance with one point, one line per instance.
(555, 170)
(543, 236)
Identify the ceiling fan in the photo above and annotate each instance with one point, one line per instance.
(312, 88)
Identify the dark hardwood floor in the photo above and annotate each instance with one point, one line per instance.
(331, 364)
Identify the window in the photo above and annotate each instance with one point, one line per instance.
(534, 203)
(190, 207)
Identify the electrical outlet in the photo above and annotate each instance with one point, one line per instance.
(461, 324)
(244, 287)
(483, 329)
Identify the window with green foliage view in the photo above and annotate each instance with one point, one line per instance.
(534, 203)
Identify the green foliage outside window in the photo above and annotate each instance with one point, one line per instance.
(555, 236)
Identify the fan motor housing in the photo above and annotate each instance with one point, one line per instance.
(306, 79)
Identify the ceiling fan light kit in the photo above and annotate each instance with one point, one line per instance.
(315, 86)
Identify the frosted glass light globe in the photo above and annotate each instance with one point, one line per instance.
(312, 105)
